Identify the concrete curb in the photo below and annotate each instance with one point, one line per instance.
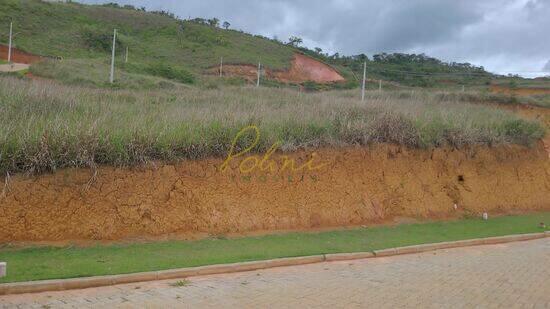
(458, 244)
(91, 282)
(348, 256)
(98, 281)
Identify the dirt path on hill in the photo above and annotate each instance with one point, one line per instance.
(519, 90)
(13, 67)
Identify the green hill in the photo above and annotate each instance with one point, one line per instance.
(158, 43)
(165, 51)
(416, 70)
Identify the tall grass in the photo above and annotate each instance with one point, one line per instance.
(45, 126)
(542, 100)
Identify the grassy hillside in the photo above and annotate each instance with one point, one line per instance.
(417, 70)
(45, 126)
(165, 47)
(165, 51)
(77, 31)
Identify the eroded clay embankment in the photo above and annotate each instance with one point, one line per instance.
(357, 186)
(18, 56)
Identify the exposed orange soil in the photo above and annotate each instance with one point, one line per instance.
(519, 91)
(358, 186)
(302, 69)
(18, 56)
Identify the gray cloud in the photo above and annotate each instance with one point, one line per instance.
(502, 35)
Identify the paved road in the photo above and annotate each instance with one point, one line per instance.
(500, 276)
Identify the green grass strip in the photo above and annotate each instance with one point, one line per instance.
(39, 263)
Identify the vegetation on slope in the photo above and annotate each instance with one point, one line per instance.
(160, 40)
(410, 69)
(155, 40)
(518, 82)
(93, 73)
(541, 100)
(45, 126)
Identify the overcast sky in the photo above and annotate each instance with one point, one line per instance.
(505, 36)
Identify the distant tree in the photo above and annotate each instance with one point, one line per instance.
(112, 4)
(226, 25)
(318, 50)
(295, 41)
(201, 21)
(214, 22)
(164, 13)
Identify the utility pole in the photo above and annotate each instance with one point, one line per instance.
(126, 57)
(364, 81)
(259, 74)
(112, 76)
(221, 66)
(9, 44)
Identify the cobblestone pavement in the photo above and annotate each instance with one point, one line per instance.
(513, 275)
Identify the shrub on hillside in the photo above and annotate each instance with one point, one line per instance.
(170, 72)
(99, 40)
(522, 132)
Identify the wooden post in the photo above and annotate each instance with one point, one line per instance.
(3, 269)
(9, 44)
(221, 66)
(126, 56)
(364, 81)
(380, 85)
(112, 75)
(259, 74)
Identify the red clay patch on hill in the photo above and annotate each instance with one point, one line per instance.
(18, 56)
(519, 91)
(302, 69)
